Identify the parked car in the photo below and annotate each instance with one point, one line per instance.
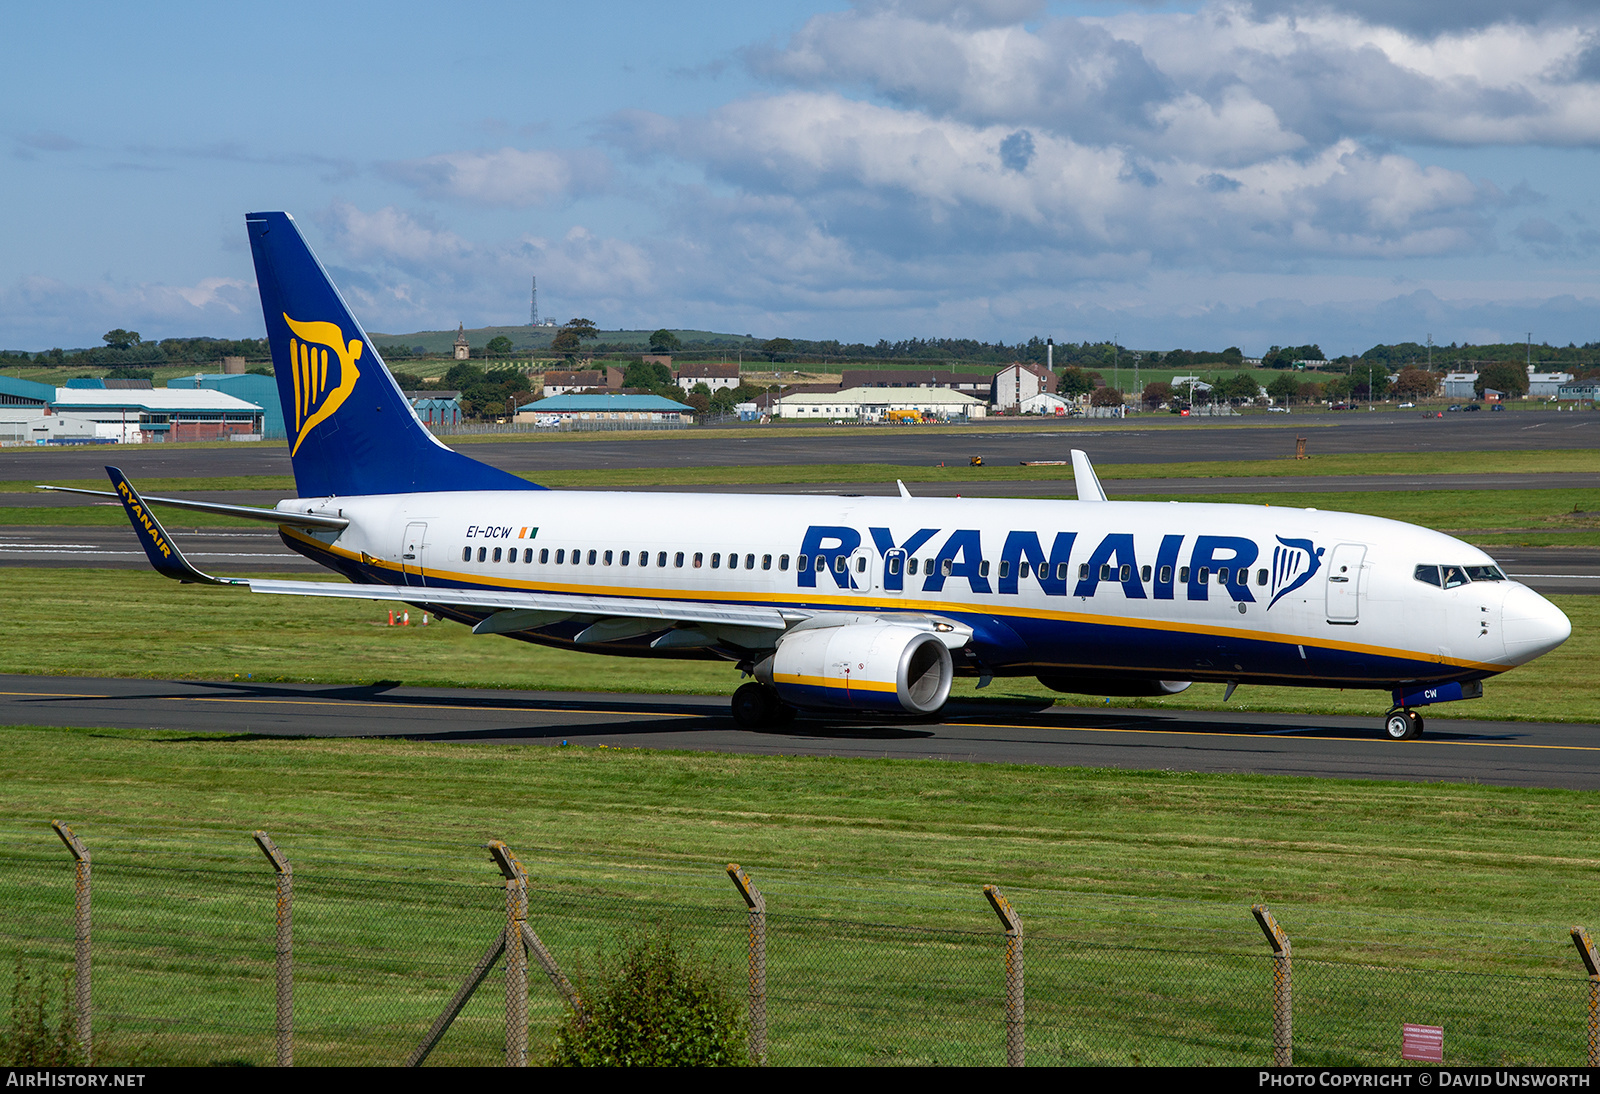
(1277, 410)
(1456, 407)
(1408, 406)
(1497, 406)
(1473, 406)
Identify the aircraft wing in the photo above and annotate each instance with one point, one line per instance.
(615, 617)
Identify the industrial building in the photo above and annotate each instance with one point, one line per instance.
(875, 404)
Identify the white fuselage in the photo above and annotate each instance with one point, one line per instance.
(1140, 588)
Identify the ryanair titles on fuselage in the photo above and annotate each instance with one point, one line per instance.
(961, 556)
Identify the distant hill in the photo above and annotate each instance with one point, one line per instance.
(526, 338)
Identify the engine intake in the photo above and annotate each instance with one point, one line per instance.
(887, 668)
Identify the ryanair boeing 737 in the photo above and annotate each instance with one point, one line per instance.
(851, 604)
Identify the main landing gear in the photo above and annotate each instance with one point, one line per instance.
(1402, 724)
(757, 706)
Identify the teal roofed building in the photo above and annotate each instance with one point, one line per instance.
(596, 411)
(251, 387)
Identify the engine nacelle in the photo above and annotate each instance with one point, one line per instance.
(887, 668)
(1108, 683)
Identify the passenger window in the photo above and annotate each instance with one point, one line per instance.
(716, 559)
(661, 558)
(561, 556)
(801, 563)
(1204, 575)
(1183, 573)
(623, 561)
(766, 562)
(894, 564)
(733, 561)
(497, 554)
(750, 561)
(1222, 575)
(644, 558)
(1105, 571)
(1144, 575)
(911, 565)
(947, 566)
(677, 560)
(861, 564)
(483, 552)
(1261, 577)
(822, 564)
(577, 557)
(1061, 571)
(1166, 575)
(1124, 572)
(591, 557)
(1005, 568)
(1241, 577)
(699, 559)
(983, 568)
(783, 563)
(544, 555)
(1083, 571)
(927, 565)
(466, 554)
(839, 563)
(607, 558)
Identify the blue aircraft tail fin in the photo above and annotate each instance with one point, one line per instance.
(351, 431)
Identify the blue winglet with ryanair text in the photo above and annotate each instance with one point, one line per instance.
(351, 430)
(164, 554)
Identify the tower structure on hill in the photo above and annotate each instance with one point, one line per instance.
(533, 304)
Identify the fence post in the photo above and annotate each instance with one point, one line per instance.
(1282, 997)
(1591, 962)
(758, 961)
(516, 953)
(285, 884)
(1015, 1048)
(80, 921)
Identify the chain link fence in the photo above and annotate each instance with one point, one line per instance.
(184, 971)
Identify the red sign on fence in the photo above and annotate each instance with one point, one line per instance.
(1425, 1043)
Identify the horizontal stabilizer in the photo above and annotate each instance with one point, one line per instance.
(243, 512)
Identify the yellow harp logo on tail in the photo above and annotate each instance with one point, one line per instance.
(316, 395)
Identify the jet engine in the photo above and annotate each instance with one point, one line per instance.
(887, 668)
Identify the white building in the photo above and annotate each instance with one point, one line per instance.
(874, 404)
(1017, 383)
(1046, 403)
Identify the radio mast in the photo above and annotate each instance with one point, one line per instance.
(533, 304)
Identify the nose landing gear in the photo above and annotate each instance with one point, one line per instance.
(1402, 724)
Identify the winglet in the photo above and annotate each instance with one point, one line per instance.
(164, 554)
(1089, 488)
(904, 493)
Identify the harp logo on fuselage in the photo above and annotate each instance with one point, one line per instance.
(321, 383)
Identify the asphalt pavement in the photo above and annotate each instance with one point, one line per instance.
(1496, 753)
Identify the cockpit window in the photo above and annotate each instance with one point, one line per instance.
(1449, 577)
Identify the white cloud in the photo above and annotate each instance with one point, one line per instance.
(505, 177)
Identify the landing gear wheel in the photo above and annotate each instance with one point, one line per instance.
(756, 706)
(1402, 725)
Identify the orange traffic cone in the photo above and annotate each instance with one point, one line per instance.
(405, 619)
(391, 617)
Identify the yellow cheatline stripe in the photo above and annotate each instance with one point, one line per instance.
(1277, 736)
(58, 694)
(933, 606)
(841, 683)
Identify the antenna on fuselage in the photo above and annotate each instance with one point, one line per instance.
(1089, 488)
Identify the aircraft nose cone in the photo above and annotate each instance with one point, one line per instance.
(1532, 626)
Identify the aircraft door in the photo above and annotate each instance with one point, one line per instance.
(861, 570)
(1344, 583)
(412, 549)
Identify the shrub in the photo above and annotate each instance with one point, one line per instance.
(27, 1039)
(653, 1005)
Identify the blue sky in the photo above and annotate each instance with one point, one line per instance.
(1248, 173)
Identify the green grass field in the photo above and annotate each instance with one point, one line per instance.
(1134, 886)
